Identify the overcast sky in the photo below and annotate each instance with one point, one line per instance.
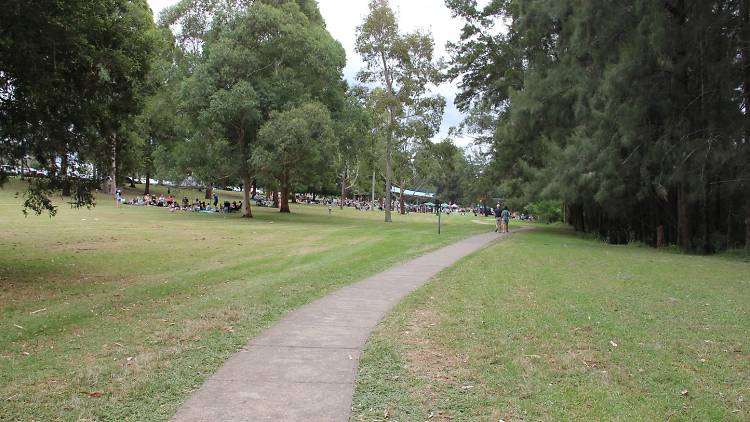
(343, 16)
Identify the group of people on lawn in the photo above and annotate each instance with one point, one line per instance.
(502, 215)
(171, 202)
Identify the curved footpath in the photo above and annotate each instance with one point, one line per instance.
(303, 367)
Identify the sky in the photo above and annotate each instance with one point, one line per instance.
(343, 16)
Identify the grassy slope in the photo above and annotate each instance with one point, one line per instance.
(527, 331)
(141, 305)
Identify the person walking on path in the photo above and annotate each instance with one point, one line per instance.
(498, 219)
(118, 198)
(216, 199)
(505, 216)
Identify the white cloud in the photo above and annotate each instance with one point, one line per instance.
(343, 16)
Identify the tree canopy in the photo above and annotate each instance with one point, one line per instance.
(402, 65)
(71, 74)
(296, 146)
(634, 114)
(270, 57)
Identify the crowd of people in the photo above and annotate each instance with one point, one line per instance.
(170, 202)
(501, 214)
(364, 204)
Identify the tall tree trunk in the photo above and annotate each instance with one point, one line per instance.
(372, 204)
(683, 220)
(247, 178)
(147, 190)
(247, 212)
(343, 191)
(389, 137)
(132, 180)
(64, 171)
(401, 199)
(730, 232)
(255, 187)
(113, 182)
(660, 236)
(745, 35)
(275, 198)
(209, 192)
(388, 175)
(284, 202)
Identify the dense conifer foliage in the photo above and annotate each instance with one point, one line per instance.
(632, 113)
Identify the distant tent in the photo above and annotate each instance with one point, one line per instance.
(429, 204)
(407, 192)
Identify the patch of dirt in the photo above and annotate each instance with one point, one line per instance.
(88, 245)
(441, 368)
(425, 357)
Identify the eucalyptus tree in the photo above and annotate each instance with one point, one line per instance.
(352, 124)
(70, 74)
(296, 146)
(271, 56)
(445, 167)
(402, 65)
(159, 125)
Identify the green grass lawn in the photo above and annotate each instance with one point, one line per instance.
(118, 314)
(550, 326)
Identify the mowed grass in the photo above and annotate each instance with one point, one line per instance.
(118, 314)
(550, 326)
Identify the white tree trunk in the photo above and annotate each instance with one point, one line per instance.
(372, 204)
(113, 181)
(387, 201)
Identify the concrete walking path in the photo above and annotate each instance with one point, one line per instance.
(303, 367)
